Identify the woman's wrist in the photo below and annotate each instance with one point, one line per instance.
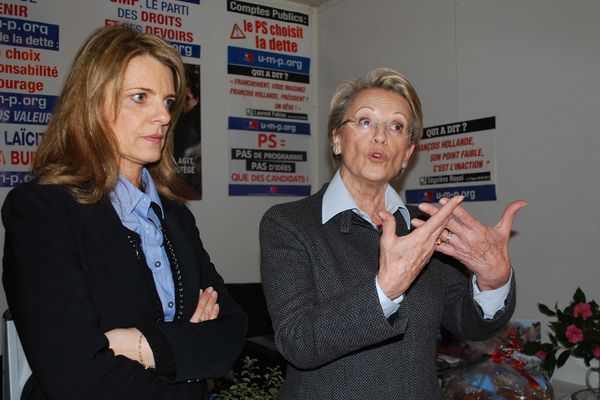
(145, 356)
(141, 341)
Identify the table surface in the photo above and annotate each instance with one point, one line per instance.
(563, 390)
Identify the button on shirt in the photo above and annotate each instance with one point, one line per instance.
(134, 209)
(337, 199)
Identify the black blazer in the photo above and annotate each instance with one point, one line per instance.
(71, 272)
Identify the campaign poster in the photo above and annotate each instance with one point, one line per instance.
(456, 158)
(29, 83)
(270, 98)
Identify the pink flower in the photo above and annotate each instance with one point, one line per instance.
(574, 334)
(583, 309)
(596, 352)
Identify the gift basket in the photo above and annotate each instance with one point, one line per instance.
(504, 374)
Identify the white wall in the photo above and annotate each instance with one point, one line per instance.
(534, 65)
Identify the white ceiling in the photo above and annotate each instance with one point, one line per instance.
(314, 3)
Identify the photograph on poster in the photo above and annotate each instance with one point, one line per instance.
(187, 147)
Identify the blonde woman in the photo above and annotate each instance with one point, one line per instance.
(111, 290)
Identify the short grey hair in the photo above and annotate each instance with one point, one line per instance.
(379, 78)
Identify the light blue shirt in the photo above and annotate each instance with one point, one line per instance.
(337, 199)
(133, 207)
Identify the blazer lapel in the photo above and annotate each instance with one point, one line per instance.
(186, 276)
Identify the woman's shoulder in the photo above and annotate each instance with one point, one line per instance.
(33, 201)
(34, 191)
(302, 211)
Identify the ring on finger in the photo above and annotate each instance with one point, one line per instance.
(448, 237)
(438, 241)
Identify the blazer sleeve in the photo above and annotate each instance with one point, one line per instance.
(462, 315)
(311, 331)
(51, 302)
(207, 349)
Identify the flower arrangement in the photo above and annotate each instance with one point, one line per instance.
(575, 332)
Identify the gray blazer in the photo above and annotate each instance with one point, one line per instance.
(319, 282)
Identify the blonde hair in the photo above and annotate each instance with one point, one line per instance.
(379, 78)
(79, 148)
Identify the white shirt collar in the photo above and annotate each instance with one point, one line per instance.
(337, 199)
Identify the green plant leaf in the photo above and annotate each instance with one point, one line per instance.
(568, 312)
(550, 364)
(564, 342)
(579, 296)
(531, 348)
(558, 327)
(545, 310)
(562, 358)
(548, 348)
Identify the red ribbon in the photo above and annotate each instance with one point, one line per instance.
(506, 355)
(506, 352)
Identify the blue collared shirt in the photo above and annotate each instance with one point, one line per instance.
(133, 207)
(337, 199)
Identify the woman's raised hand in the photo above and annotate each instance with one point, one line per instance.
(483, 249)
(402, 258)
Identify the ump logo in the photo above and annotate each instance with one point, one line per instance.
(428, 196)
(249, 57)
(253, 124)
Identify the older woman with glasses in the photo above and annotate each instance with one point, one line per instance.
(356, 295)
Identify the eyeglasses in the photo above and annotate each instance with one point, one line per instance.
(365, 125)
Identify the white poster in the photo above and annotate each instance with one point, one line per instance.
(268, 62)
(29, 83)
(457, 158)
